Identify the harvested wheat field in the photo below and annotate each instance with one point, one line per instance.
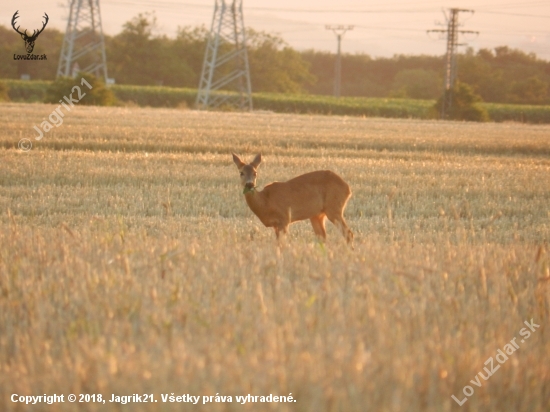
(131, 264)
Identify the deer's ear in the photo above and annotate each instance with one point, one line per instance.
(240, 164)
(257, 160)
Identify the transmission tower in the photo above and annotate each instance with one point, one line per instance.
(225, 78)
(339, 31)
(450, 57)
(83, 43)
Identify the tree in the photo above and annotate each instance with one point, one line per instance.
(49, 43)
(274, 66)
(531, 90)
(138, 56)
(463, 104)
(480, 73)
(189, 47)
(506, 75)
(91, 91)
(417, 84)
(365, 76)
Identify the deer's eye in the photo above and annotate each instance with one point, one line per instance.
(242, 174)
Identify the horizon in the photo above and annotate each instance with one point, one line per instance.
(398, 28)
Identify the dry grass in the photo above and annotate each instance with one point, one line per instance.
(129, 262)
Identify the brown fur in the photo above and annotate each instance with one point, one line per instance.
(312, 196)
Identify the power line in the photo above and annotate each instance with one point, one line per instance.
(83, 41)
(513, 5)
(225, 64)
(339, 31)
(450, 58)
(517, 14)
(177, 6)
(390, 28)
(149, 3)
(283, 19)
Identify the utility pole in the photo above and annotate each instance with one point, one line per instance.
(83, 41)
(225, 68)
(450, 57)
(339, 31)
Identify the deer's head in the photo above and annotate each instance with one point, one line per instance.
(29, 40)
(248, 172)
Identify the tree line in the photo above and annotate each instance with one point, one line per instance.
(138, 56)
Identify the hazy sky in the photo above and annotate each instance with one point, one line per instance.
(381, 29)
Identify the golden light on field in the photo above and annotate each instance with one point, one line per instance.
(130, 263)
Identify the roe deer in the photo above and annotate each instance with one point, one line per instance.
(310, 196)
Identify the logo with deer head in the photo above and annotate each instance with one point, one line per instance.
(29, 40)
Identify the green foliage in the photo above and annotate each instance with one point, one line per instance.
(531, 90)
(506, 75)
(499, 112)
(417, 84)
(499, 75)
(27, 91)
(189, 48)
(351, 106)
(97, 95)
(365, 76)
(4, 92)
(138, 55)
(156, 96)
(464, 104)
(48, 43)
(274, 66)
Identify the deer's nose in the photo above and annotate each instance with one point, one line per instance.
(249, 185)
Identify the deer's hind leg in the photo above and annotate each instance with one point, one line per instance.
(337, 219)
(318, 223)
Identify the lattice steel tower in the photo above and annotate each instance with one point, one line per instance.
(450, 57)
(225, 78)
(83, 43)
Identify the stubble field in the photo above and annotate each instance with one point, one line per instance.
(130, 264)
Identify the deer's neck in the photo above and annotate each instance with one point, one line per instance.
(257, 203)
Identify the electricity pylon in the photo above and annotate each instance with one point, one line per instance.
(339, 31)
(225, 78)
(83, 43)
(450, 57)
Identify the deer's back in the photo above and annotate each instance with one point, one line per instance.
(308, 194)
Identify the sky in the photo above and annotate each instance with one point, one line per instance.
(381, 29)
